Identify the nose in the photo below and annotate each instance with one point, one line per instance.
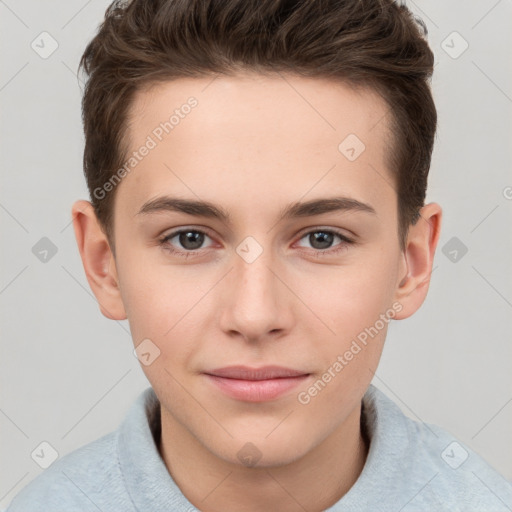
(257, 305)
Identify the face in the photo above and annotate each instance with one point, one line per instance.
(271, 273)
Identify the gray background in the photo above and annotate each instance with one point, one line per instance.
(68, 375)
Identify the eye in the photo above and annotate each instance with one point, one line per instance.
(190, 241)
(322, 241)
(187, 242)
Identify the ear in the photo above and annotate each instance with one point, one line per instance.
(418, 258)
(98, 260)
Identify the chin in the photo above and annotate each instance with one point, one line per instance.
(258, 452)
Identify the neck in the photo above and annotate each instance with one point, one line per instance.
(313, 482)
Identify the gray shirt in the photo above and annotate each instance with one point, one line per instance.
(411, 466)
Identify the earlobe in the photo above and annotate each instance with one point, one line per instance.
(98, 260)
(419, 254)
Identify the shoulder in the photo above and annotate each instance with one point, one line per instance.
(86, 479)
(457, 471)
(431, 466)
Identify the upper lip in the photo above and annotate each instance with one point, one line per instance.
(248, 373)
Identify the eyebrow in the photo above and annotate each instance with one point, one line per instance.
(294, 210)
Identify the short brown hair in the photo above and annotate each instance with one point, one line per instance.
(370, 43)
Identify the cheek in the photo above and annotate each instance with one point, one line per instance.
(350, 298)
(165, 304)
(161, 327)
(349, 362)
(151, 300)
(356, 303)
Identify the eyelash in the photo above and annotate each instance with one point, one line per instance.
(164, 242)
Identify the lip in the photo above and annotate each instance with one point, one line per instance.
(256, 384)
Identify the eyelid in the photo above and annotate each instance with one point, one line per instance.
(176, 231)
(337, 231)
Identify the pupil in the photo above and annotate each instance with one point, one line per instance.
(323, 239)
(191, 240)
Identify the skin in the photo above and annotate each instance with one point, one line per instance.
(253, 145)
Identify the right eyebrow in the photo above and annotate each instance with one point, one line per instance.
(191, 207)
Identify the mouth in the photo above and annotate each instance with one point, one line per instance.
(256, 384)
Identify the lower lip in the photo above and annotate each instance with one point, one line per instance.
(256, 390)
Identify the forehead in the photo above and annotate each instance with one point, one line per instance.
(282, 135)
(253, 101)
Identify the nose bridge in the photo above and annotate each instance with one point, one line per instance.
(256, 304)
(255, 283)
(255, 278)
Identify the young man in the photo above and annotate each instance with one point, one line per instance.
(257, 174)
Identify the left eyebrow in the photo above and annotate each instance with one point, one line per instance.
(327, 205)
(294, 210)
